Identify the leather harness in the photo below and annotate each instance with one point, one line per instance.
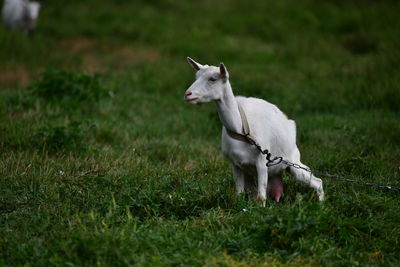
(245, 137)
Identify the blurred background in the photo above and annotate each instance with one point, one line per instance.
(308, 52)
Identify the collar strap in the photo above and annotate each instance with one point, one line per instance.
(245, 137)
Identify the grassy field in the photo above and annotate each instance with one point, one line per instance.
(103, 164)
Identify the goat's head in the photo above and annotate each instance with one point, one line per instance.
(209, 84)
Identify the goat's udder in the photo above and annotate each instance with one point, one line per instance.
(275, 188)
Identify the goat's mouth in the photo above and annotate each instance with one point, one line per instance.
(188, 100)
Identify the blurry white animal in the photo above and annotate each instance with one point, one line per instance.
(268, 126)
(20, 14)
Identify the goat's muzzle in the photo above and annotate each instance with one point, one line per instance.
(187, 99)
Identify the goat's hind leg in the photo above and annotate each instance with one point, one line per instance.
(250, 183)
(239, 177)
(308, 178)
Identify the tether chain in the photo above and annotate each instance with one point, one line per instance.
(277, 160)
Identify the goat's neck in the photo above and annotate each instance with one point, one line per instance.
(228, 110)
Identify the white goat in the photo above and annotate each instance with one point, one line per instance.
(20, 14)
(268, 125)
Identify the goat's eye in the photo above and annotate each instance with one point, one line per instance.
(211, 79)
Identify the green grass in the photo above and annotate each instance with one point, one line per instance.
(102, 163)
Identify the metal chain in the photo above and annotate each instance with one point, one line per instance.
(278, 160)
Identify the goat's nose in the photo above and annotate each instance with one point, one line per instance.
(188, 93)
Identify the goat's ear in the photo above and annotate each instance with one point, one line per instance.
(223, 71)
(194, 64)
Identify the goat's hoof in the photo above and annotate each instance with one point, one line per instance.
(321, 196)
(262, 200)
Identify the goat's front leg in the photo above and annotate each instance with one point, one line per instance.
(262, 175)
(239, 177)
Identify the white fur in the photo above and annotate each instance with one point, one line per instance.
(20, 14)
(268, 125)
